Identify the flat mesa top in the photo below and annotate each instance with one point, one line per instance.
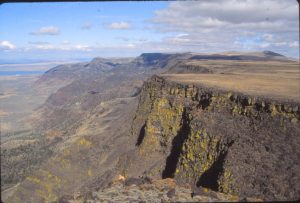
(282, 86)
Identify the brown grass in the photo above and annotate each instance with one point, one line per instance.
(276, 79)
(280, 86)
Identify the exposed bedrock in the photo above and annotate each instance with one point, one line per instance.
(229, 142)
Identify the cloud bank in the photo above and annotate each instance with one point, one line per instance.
(212, 25)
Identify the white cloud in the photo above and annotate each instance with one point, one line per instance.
(82, 47)
(258, 14)
(294, 44)
(50, 30)
(6, 45)
(45, 46)
(65, 42)
(216, 26)
(133, 39)
(268, 37)
(64, 46)
(278, 44)
(131, 45)
(264, 45)
(86, 26)
(179, 39)
(119, 26)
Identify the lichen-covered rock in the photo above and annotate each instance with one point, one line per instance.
(162, 124)
(229, 142)
(166, 190)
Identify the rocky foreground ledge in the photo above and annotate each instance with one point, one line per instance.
(229, 142)
(146, 190)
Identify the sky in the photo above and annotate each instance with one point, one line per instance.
(84, 30)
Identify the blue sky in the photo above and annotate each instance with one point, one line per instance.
(18, 21)
(65, 31)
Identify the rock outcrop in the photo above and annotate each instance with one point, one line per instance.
(166, 190)
(229, 142)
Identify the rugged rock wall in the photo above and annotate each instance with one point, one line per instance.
(228, 142)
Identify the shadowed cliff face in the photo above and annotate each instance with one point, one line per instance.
(228, 142)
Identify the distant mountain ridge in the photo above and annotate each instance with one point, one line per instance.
(259, 56)
(161, 60)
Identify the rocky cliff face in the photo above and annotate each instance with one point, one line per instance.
(229, 142)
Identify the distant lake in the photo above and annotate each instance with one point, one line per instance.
(7, 73)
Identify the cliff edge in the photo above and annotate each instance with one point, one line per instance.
(230, 142)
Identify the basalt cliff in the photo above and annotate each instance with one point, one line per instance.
(227, 141)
